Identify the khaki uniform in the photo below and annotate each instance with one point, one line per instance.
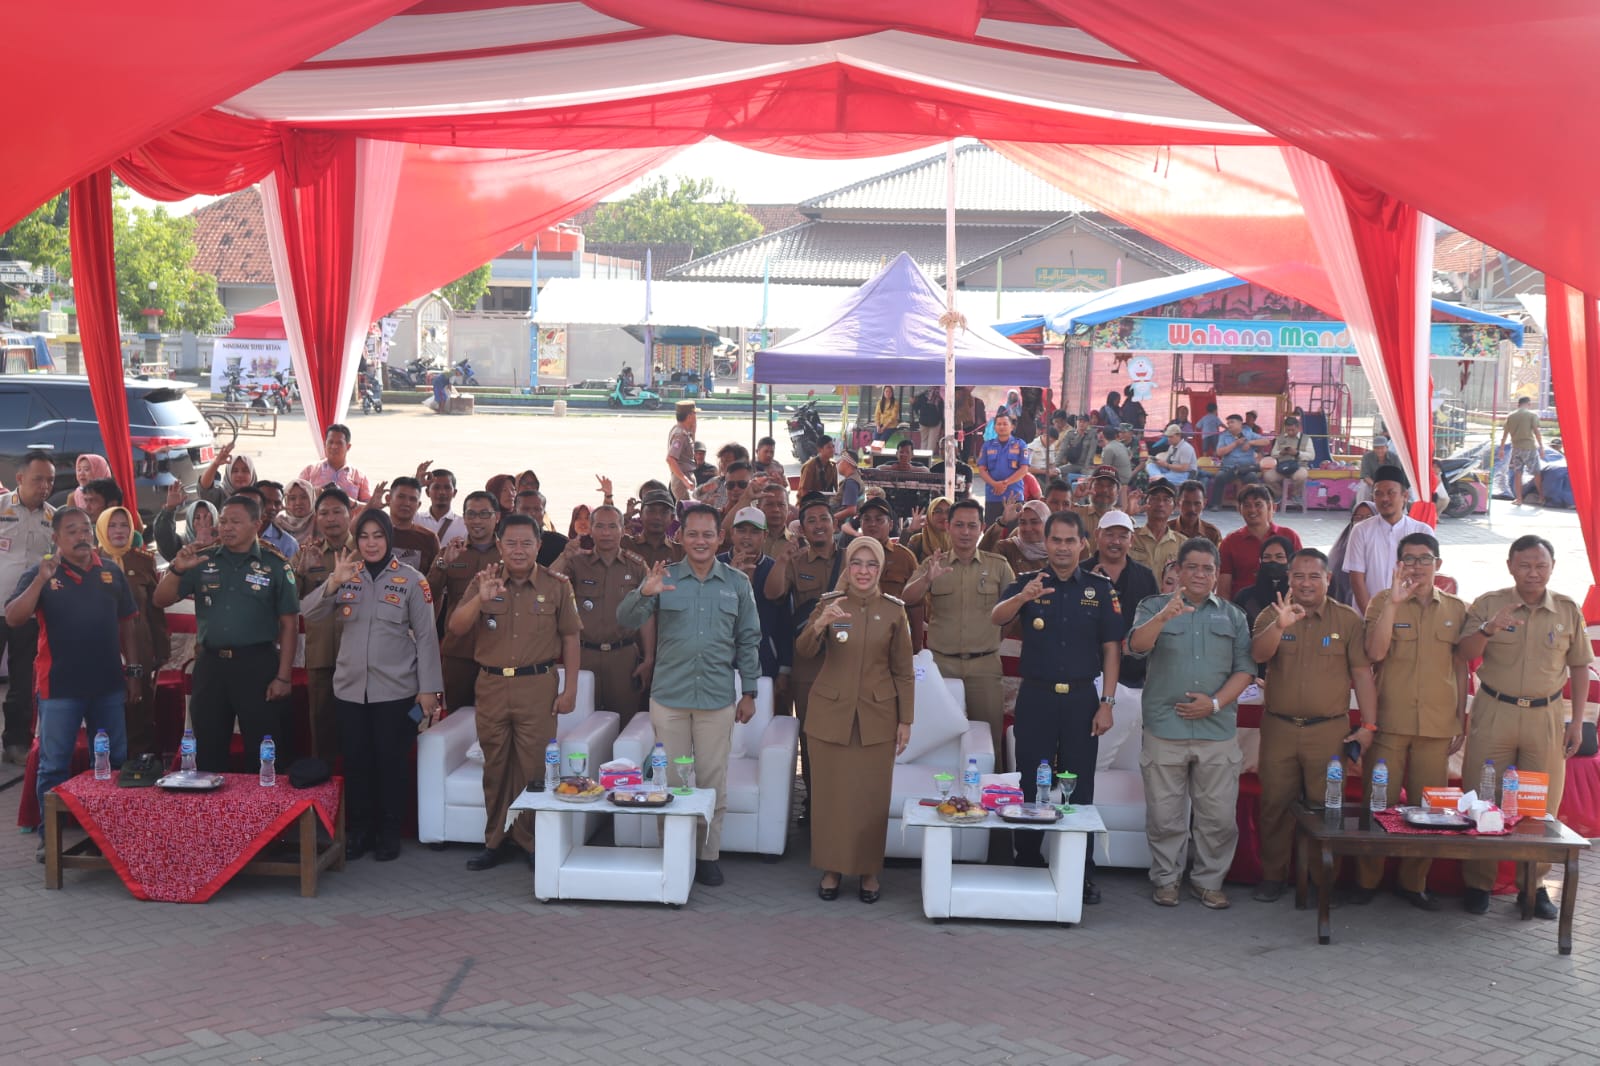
(1091, 522)
(965, 644)
(1308, 678)
(680, 446)
(152, 648)
(898, 566)
(810, 576)
(1153, 551)
(1529, 662)
(668, 552)
(863, 692)
(449, 582)
(818, 475)
(1417, 709)
(516, 714)
(25, 538)
(311, 565)
(1202, 528)
(610, 651)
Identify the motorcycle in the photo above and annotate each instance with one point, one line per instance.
(371, 395)
(624, 394)
(462, 374)
(805, 431)
(1457, 476)
(416, 374)
(232, 390)
(291, 387)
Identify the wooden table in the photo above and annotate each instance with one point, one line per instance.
(1530, 842)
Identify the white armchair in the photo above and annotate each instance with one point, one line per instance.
(914, 780)
(450, 778)
(761, 766)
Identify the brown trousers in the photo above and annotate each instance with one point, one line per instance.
(613, 680)
(319, 706)
(1419, 762)
(516, 720)
(1529, 738)
(981, 678)
(460, 682)
(1294, 766)
(804, 672)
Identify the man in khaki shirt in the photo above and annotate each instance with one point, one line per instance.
(620, 658)
(1314, 652)
(1156, 543)
(311, 565)
(962, 590)
(452, 572)
(1532, 642)
(1191, 505)
(655, 518)
(1411, 632)
(1527, 447)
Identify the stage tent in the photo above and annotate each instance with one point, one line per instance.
(888, 332)
(1381, 104)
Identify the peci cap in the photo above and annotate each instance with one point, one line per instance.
(751, 516)
(683, 405)
(875, 503)
(1161, 484)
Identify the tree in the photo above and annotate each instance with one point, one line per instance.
(698, 213)
(465, 292)
(39, 239)
(154, 246)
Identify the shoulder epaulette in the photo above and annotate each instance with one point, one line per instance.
(897, 601)
(632, 557)
(831, 595)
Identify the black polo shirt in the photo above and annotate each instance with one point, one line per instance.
(79, 613)
(1062, 631)
(1134, 583)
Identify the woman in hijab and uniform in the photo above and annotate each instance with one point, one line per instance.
(935, 533)
(199, 528)
(1024, 550)
(857, 720)
(298, 517)
(241, 474)
(152, 644)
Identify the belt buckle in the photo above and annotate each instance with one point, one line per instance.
(1063, 688)
(224, 653)
(1300, 720)
(508, 671)
(1524, 703)
(608, 647)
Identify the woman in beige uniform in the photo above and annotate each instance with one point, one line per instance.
(152, 643)
(859, 719)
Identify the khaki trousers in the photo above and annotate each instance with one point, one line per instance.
(1294, 766)
(319, 707)
(1419, 762)
(1529, 738)
(460, 682)
(706, 735)
(516, 721)
(981, 679)
(1284, 494)
(613, 680)
(802, 674)
(1191, 790)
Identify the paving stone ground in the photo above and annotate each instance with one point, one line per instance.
(420, 961)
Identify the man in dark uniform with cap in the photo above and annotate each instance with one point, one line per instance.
(1072, 628)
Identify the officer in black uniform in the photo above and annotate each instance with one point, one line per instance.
(1072, 628)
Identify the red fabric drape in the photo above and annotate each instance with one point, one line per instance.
(776, 22)
(94, 280)
(1573, 329)
(211, 154)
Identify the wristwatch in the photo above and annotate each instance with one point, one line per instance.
(133, 670)
(1108, 700)
(1216, 708)
(1484, 628)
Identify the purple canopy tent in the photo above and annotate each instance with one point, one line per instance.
(888, 333)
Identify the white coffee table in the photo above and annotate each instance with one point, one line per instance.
(1012, 893)
(566, 868)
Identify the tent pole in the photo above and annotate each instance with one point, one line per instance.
(950, 320)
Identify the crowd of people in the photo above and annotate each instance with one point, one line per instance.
(412, 609)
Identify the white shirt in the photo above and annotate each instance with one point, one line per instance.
(446, 529)
(1374, 548)
(24, 539)
(1180, 455)
(1039, 454)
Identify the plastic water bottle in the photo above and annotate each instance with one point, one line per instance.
(1379, 800)
(1333, 795)
(186, 750)
(1486, 782)
(1510, 786)
(102, 756)
(1043, 778)
(970, 781)
(269, 762)
(552, 766)
(658, 766)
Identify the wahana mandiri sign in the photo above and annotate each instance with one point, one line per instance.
(1449, 340)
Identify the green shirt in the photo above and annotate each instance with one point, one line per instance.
(239, 596)
(704, 629)
(1523, 427)
(1194, 653)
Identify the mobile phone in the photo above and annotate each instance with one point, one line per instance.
(415, 713)
(1352, 750)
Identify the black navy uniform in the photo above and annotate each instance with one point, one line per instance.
(1062, 634)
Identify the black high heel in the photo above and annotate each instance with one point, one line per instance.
(828, 892)
(869, 895)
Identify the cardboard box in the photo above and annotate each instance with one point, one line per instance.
(1533, 793)
(1441, 798)
(997, 796)
(620, 778)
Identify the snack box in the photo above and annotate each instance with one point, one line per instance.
(610, 779)
(1533, 793)
(1441, 798)
(997, 796)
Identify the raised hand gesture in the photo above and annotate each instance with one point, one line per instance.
(1034, 589)
(453, 550)
(605, 485)
(1288, 611)
(380, 496)
(1401, 588)
(1013, 508)
(655, 582)
(47, 568)
(831, 612)
(175, 496)
(422, 470)
(491, 582)
(1175, 607)
(936, 566)
(918, 519)
(346, 565)
(1505, 618)
(187, 559)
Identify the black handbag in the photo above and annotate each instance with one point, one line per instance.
(1288, 467)
(1591, 743)
(141, 771)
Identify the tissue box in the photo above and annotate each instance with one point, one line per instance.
(1533, 793)
(620, 778)
(1441, 798)
(997, 796)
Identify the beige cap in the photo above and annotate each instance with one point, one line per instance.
(1115, 518)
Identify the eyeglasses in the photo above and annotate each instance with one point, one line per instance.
(1198, 568)
(479, 514)
(738, 486)
(1418, 560)
(864, 564)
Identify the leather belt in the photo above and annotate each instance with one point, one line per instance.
(966, 654)
(1061, 688)
(1301, 720)
(615, 645)
(1517, 701)
(230, 653)
(518, 671)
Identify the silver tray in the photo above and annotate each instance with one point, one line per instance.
(639, 804)
(1029, 814)
(1434, 818)
(191, 781)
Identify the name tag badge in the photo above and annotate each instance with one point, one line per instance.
(259, 581)
(105, 577)
(1288, 638)
(5, 544)
(1407, 625)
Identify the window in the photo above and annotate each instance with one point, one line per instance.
(19, 409)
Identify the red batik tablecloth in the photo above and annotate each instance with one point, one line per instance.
(180, 847)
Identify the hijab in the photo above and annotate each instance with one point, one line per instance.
(188, 519)
(381, 520)
(936, 540)
(1034, 553)
(869, 545)
(98, 468)
(102, 526)
(225, 476)
(298, 528)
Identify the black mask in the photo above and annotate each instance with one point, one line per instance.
(1272, 580)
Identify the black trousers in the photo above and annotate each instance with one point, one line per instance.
(21, 644)
(1057, 728)
(376, 740)
(226, 689)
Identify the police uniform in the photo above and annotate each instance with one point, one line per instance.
(25, 538)
(152, 647)
(311, 565)
(517, 641)
(810, 576)
(238, 599)
(1517, 709)
(449, 582)
(1062, 636)
(388, 654)
(1307, 717)
(1417, 708)
(610, 652)
(965, 644)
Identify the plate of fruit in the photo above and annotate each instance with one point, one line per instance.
(579, 789)
(959, 810)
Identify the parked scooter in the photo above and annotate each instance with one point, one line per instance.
(462, 374)
(371, 395)
(417, 374)
(625, 394)
(805, 431)
(232, 390)
(1457, 477)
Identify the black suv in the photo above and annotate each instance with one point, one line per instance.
(54, 413)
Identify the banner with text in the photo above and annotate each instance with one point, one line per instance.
(254, 361)
(1450, 340)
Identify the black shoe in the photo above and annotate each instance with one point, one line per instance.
(708, 872)
(1032, 862)
(869, 895)
(1268, 892)
(1420, 900)
(1091, 893)
(357, 845)
(387, 849)
(488, 858)
(1543, 908)
(1475, 901)
(1358, 896)
(828, 892)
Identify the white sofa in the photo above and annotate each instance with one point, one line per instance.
(450, 780)
(760, 780)
(914, 780)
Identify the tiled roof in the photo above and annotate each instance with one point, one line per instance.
(1458, 259)
(663, 257)
(847, 253)
(985, 181)
(231, 240)
(770, 216)
(1456, 252)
